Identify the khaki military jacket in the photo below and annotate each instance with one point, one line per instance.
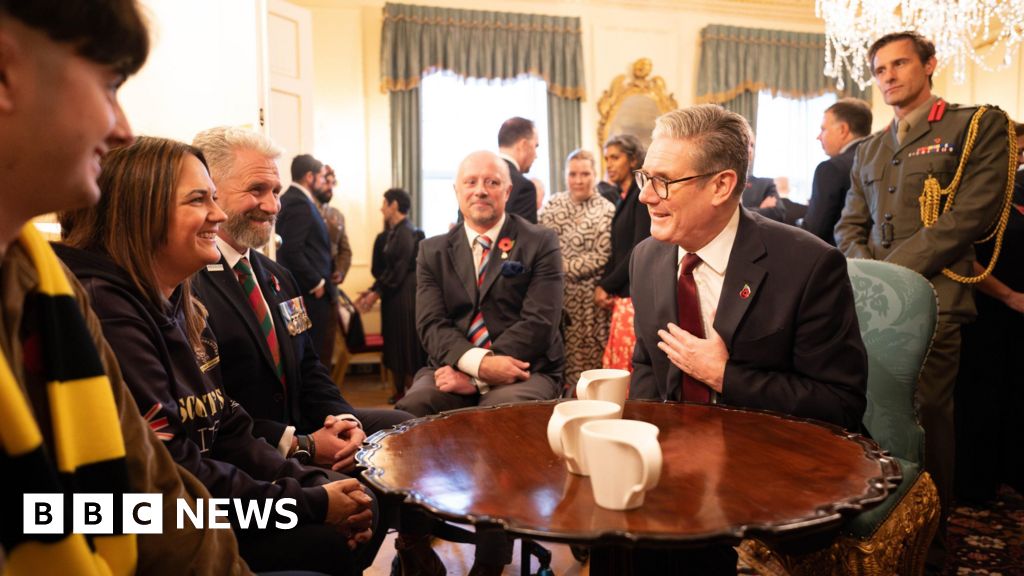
(882, 220)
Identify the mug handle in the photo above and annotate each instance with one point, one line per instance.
(650, 455)
(581, 388)
(555, 426)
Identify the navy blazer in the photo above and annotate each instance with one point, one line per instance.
(828, 194)
(523, 199)
(309, 394)
(305, 245)
(522, 307)
(786, 314)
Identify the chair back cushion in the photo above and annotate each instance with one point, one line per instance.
(896, 309)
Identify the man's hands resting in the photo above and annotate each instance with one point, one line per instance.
(337, 443)
(348, 510)
(495, 370)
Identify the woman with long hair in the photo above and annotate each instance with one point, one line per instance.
(135, 252)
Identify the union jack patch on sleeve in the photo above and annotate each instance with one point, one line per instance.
(158, 424)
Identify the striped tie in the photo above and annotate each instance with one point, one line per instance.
(477, 333)
(259, 307)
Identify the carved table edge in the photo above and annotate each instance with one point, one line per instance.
(877, 489)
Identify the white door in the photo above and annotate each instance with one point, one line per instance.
(289, 100)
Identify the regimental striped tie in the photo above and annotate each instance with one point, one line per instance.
(259, 307)
(477, 333)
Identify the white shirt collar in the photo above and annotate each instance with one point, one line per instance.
(231, 255)
(510, 159)
(471, 234)
(850, 143)
(306, 192)
(716, 253)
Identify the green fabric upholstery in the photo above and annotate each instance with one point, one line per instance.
(896, 309)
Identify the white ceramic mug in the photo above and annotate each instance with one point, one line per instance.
(624, 459)
(564, 429)
(604, 384)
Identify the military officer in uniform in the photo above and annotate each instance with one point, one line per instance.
(882, 218)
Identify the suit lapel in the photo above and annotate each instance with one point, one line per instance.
(664, 274)
(461, 257)
(231, 291)
(743, 278)
(494, 260)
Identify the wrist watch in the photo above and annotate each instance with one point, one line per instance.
(306, 449)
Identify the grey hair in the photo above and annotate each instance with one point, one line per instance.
(220, 144)
(721, 139)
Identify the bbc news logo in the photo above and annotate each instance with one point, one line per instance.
(143, 513)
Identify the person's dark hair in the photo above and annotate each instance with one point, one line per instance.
(139, 186)
(109, 32)
(304, 163)
(924, 47)
(401, 197)
(1019, 128)
(855, 113)
(513, 130)
(630, 146)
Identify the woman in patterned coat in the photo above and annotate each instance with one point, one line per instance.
(583, 220)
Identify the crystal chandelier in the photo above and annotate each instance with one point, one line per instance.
(962, 30)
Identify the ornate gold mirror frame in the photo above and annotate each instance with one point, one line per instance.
(631, 105)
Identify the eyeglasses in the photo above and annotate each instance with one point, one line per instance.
(661, 185)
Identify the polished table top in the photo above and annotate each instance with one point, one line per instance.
(728, 473)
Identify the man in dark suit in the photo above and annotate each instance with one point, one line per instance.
(488, 302)
(488, 306)
(732, 307)
(306, 252)
(845, 124)
(761, 195)
(517, 145)
(268, 363)
(274, 372)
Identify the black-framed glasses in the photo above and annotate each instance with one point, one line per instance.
(661, 185)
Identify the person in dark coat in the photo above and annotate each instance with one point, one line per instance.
(395, 287)
(845, 125)
(623, 153)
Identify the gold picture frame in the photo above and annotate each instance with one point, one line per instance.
(632, 104)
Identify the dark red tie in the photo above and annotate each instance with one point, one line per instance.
(690, 320)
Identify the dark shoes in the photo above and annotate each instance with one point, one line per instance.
(417, 558)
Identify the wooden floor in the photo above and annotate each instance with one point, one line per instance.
(367, 391)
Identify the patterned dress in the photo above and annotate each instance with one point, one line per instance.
(585, 235)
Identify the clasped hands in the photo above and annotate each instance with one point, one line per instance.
(349, 510)
(337, 443)
(366, 300)
(495, 370)
(701, 358)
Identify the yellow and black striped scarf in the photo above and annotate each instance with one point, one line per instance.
(89, 449)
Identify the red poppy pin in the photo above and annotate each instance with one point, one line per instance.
(745, 293)
(277, 285)
(505, 245)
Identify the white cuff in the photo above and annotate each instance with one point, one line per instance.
(319, 286)
(350, 418)
(284, 446)
(481, 386)
(469, 363)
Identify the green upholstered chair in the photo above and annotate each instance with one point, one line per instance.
(896, 309)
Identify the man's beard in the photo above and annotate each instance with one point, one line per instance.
(322, 196)
(240, 227)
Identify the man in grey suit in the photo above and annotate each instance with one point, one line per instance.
(488, 306)
(488, 302)
(844, 126)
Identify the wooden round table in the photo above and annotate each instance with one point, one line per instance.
(728, 473)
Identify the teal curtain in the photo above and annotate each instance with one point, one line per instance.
(418, 40)
(564, 136)
(737, 63)
(405, 145)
